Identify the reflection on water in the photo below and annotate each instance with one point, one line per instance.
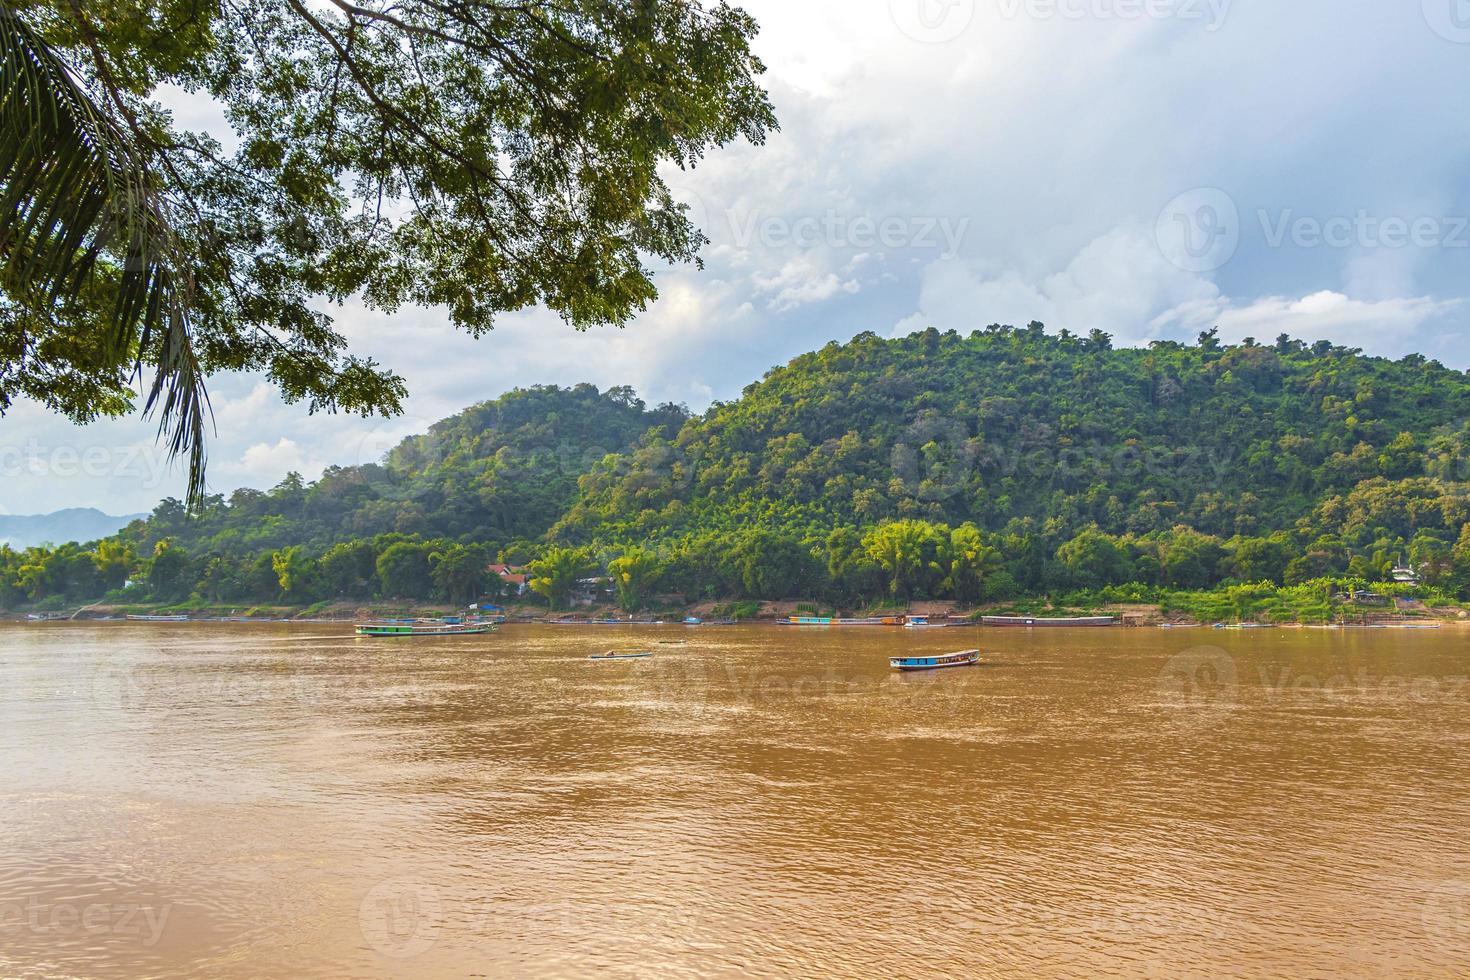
(255, 800)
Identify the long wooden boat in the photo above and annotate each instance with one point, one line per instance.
(964, 658)
(602, 622)
(841, 621)
(620, 656)
(423, 629)
(1054, 621)
(158, 619)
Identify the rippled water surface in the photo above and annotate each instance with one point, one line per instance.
(210, 800)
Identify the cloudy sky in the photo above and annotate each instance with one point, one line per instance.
(1147, 167)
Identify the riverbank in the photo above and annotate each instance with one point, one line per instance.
(1176, 609)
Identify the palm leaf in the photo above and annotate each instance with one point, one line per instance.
(83, 207)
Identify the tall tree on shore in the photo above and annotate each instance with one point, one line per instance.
(633, 573)
(476, 156)
(460, 571)
(555, 574)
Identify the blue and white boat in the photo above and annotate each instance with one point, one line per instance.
(964, 658)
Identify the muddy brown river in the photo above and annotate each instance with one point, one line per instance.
(247, 800)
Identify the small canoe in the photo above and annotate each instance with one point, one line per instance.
(158, 619)
(964, 658)
(423, 629)
(620, 656)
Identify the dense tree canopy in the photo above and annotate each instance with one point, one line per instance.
(473, 156)
(1005, 464)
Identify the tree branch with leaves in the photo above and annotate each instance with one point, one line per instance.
(472, 156)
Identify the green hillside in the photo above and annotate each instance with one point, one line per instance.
(1006, 463)
(1005, 426)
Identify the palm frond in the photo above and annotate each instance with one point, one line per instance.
(82, 205)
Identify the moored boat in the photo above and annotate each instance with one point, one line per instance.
(158, 619)
(390, 629)
(963, 658)
(1052, 621)
(841, 621)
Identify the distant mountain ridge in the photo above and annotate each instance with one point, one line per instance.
(81, 524)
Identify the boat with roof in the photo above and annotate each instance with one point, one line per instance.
(936, 661)
(1049, 621)
(419, 627)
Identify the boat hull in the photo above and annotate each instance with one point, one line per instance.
(833, 621)
(911, 664)
(389, 632)
(1032, 621)
(620, 656)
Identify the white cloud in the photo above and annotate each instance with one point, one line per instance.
(798, 283)
(1055, 141)
(263, 462)
(1118, 282)
(1385, 326)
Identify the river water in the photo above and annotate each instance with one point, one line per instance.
(248, 800)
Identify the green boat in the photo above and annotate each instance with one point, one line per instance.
(423, 629)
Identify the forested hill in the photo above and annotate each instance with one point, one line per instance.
(1003, 463)
(1060, 432)
(500, 471)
